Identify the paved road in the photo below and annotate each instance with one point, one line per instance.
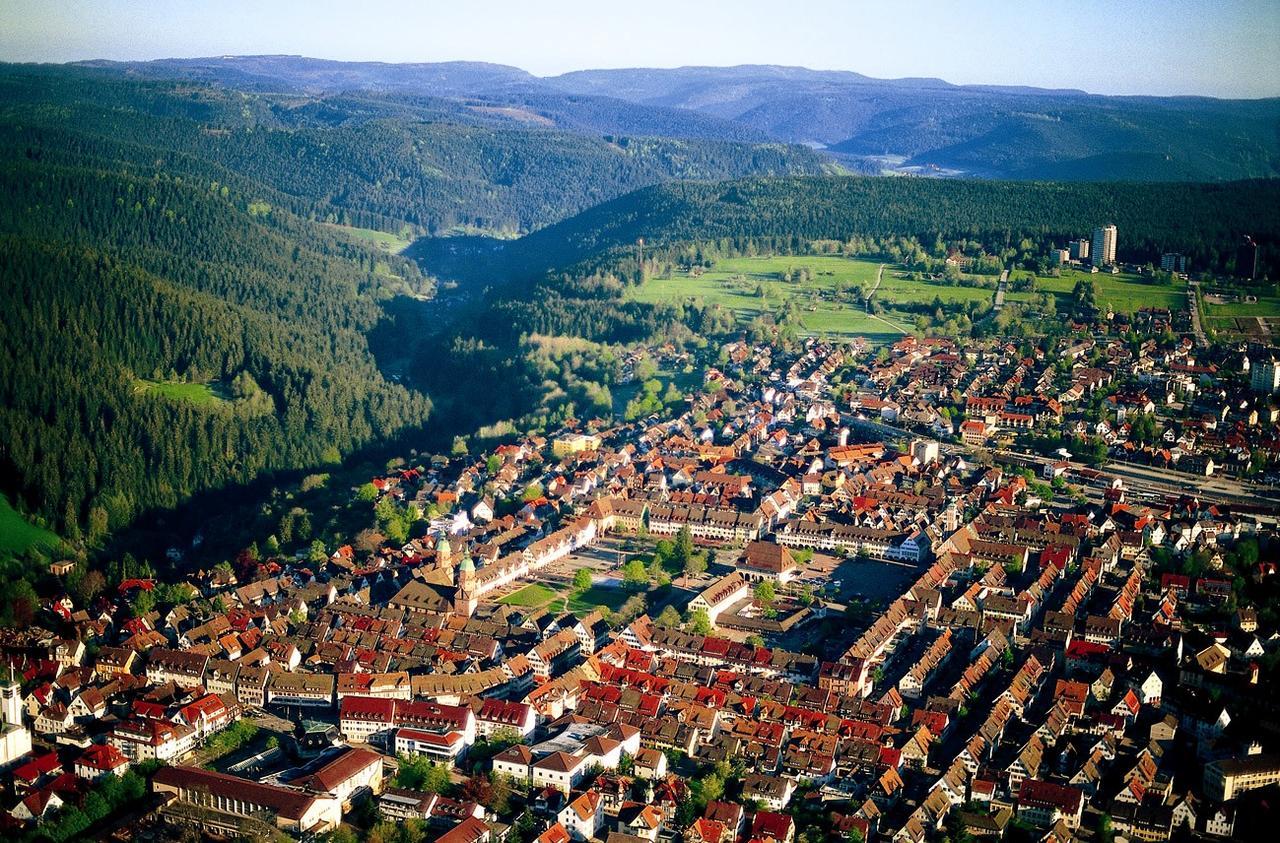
(1193, 301)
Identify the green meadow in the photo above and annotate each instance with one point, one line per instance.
(387, 242)
(531, 596)
(828, 305)
(200, 394)
(17, 534)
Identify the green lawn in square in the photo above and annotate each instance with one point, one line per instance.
(596, 597)
(531, 596)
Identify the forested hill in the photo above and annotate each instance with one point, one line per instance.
(1204, 221)
(915, 125)
(166, 335)
(425, 164)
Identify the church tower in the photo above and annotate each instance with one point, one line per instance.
(11, 698)
(444, 555)
(464, 596)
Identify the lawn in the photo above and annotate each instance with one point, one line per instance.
(829, 307)
(531, 596)
(1264, 306)
(1124, 292)
(200, 394)
(825, 297)
(391, 243)
(17, 534)
(597, 596)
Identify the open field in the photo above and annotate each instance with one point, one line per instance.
(825, 298)
(531, 596)
(597, 596)
(201, 394)
(829, 306)
(387, 242)
(17, 534)
(1124, 292)
(1266, 306)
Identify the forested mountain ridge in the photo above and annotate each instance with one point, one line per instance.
(1204, 221)
(114, 282)
(916, 125)
(978, 130)
(428, 165)
(574, 279)
(180, 322)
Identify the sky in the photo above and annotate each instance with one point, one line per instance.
(1225, 48)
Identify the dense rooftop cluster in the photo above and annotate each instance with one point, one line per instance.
(840, 593)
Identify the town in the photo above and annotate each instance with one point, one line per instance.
(937, 589)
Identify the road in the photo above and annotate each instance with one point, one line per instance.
(1193, 301)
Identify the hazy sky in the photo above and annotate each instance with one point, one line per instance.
(1216, 47)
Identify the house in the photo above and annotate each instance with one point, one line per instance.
(144, 739)
(496, 715)
(650, 763)
(1043, 804)
(639, 820)
(1221, 821)
(37, 805)
(443, 748)
(720, 595)
(761, 560)
(769, 824)
(559, 770)
(773, 791)
(583, 816)
(515, 761)
(181, 667)
(101, 760)
(310, 689)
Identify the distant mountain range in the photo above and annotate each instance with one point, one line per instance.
(925, 126)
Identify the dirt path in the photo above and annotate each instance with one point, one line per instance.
(879, 278)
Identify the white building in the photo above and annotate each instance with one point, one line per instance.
(1103, 249)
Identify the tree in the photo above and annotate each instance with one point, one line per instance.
(89, 587)
(766, 592)
(700, 622)
(143, 602)
(634, 574)
(316, 553)
(368, 540)
(367, 493)
(669, 618)
(695, 565)
(683, 550)
(712, 787)
(581, 579)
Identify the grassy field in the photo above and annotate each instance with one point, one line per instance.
(825, 298)
(1126, 293)
(17, 534)
(1264, 306)
(597, 596)
(201, 394)
(391, 243)
(531, 596)
(828, 306)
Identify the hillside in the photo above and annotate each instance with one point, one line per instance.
(166, 335)
(432, 164)
(990, 131)
(1201, 220)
